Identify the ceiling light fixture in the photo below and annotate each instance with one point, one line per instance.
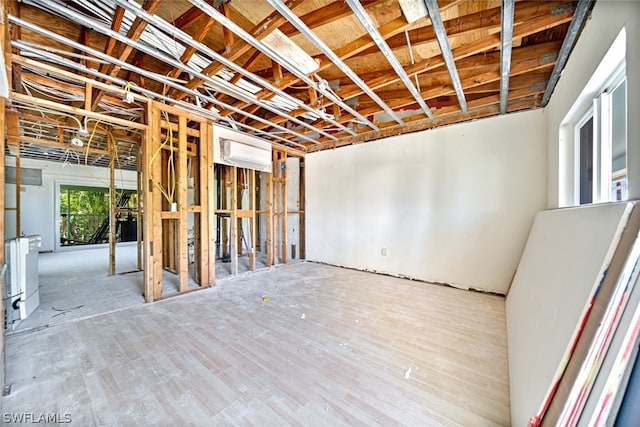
(375, 35)
(258, 44)
(413, 10)
(293, 53)
(188, 40)
(77, 140)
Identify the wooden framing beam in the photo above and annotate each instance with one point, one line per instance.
(479, 108)
(229, 39)
(155, 214)
(252, 219)
(181, 183)
(201, 184)
(259, 31)
(532, 18)
(16, 59)
(139, 193)
(14, 33)
(269, 212)
(190, 50)
(234, 220)
(190, 16)
(78, 111)
(211, 195)
(301, 212)
(112, 208)
(380, 79)
(283, 200)
(134, 33)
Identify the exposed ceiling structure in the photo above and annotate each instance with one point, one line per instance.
(307, 75)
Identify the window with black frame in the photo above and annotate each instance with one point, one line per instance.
(84, 215)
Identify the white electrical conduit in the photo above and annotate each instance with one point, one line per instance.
(304, 29)
(155, 49)
(66, 53)
(60, 95)
(185, 105)
(155, 38)
(248, 97)
(54, 6)
(184, 37)
(189, 107)
(415, 76)
(124, 65)
(235, 28)
(406, 36)
(366, 22)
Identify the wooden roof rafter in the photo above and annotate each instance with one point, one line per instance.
(521, 62)
(261, 30)
(124, 50)
(540, 14)
(261, 96)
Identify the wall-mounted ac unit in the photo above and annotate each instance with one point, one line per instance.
(246, 155)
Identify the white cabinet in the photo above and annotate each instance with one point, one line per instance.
(22, 296)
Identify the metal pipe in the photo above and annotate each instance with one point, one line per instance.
(443, 41)
(304, 29)
(506, 38)
(229, 24)
(184, 37)
(121, 82)
(160, 55)
(366, 22)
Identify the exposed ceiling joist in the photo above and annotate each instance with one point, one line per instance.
(577, 22)
(443, 42)
(377, 73)
(371, 28)
(302, 27)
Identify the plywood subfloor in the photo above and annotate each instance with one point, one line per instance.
(331, 346)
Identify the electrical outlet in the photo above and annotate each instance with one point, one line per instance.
(384, 252)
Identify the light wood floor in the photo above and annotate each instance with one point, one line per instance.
(330, 347)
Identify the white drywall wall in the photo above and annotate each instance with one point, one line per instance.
(607, 20)
(559, 267)
(451, 205)
(567, 247)
(38, 205)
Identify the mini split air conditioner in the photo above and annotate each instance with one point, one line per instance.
(246, 155)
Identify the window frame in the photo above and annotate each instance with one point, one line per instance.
(600, 109)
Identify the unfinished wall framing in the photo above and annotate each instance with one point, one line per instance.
(187, 224)
(251, 215)
(176, 157)
(4, 38)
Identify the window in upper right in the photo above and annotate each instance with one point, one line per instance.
(598, 124)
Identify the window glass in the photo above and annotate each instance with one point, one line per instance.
(84, 215)
(586, 162)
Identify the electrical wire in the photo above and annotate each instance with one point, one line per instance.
(169, 193)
